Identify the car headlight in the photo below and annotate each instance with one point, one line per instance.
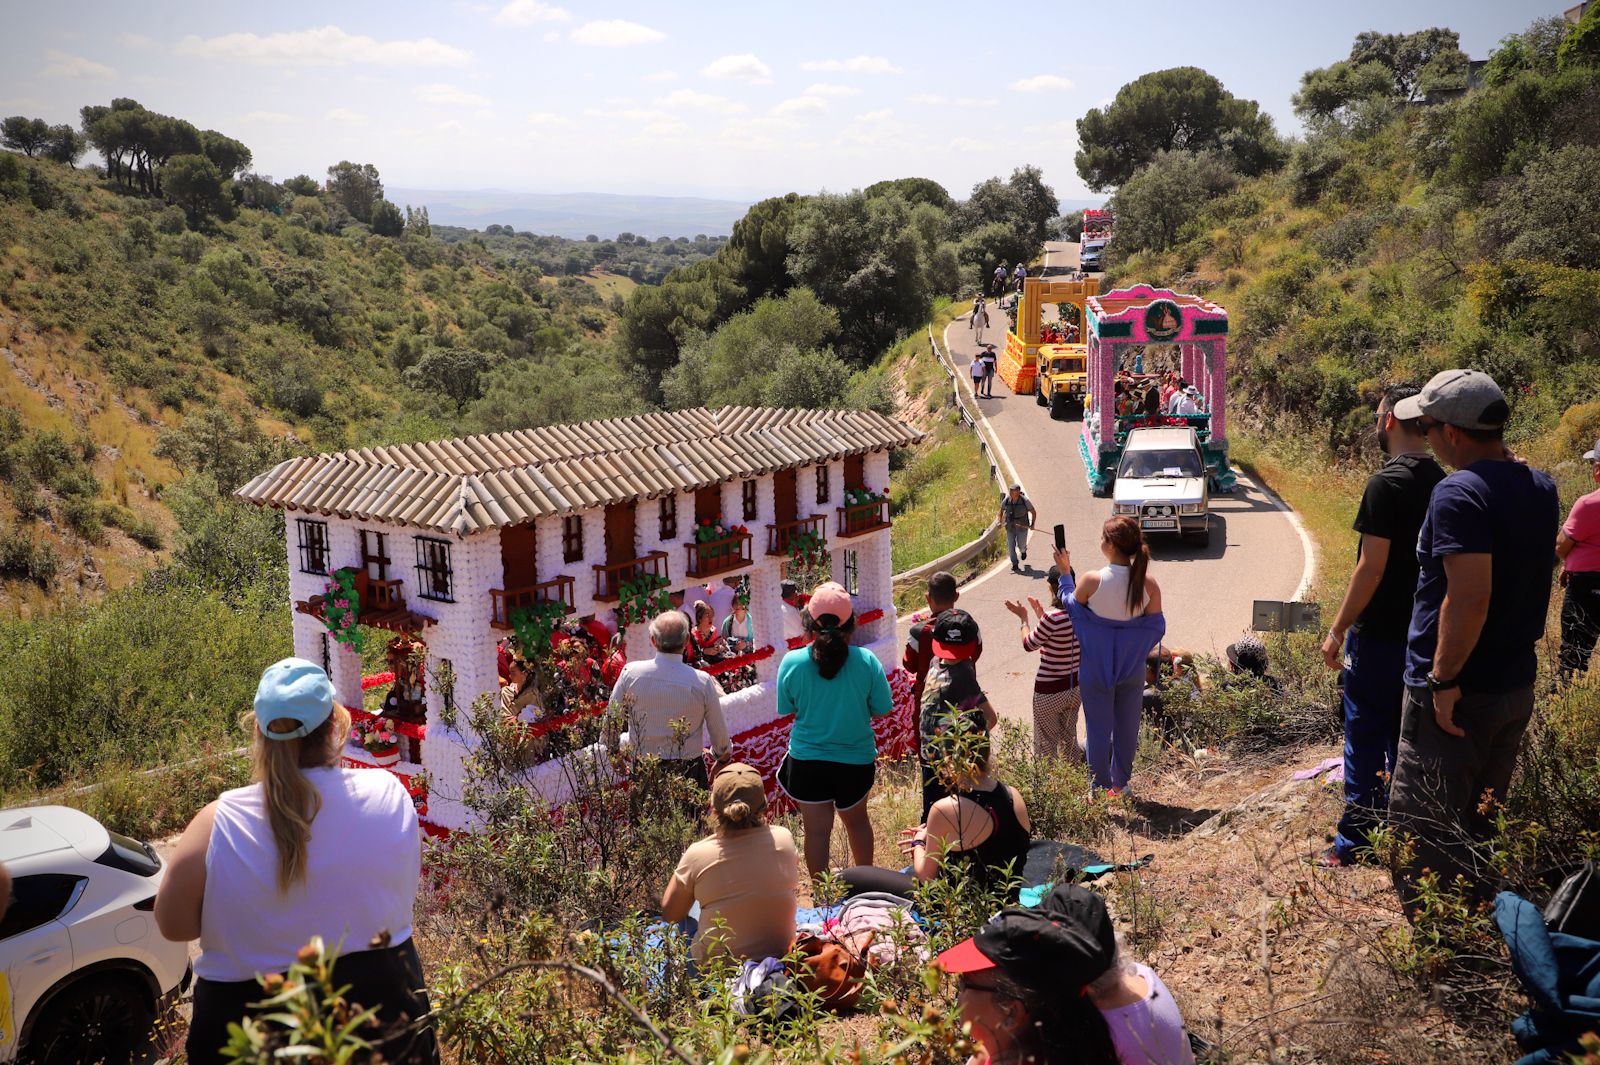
(1192, 508)
(1125, 508)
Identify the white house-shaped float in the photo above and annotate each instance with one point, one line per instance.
(446, 540)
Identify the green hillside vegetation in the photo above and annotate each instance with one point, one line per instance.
(639, 259)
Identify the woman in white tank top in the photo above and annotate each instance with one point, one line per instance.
(310, 849)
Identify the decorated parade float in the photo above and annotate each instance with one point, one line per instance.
(1032, 339)
(1134, 334)
(448, 547)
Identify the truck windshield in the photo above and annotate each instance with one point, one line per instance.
(1067, 366)
(1174, 463)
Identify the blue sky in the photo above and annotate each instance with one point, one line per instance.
(710, 98)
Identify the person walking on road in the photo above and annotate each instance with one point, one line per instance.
(977, 371)
(834, 691)
(1056, 698)
(1481, 598)
(1017, 516)
(1578, 547)
(1116, 612)
(1368, 637)
(990, 366)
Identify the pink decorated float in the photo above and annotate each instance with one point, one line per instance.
(451, 545)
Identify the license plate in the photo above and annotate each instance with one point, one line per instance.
(1160, 523)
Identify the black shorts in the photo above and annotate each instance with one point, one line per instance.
(815, 780)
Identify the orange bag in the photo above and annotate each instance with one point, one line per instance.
(830, 970)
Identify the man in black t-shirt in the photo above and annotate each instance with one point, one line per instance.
(1368, 638)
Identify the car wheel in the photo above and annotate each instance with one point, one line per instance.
(104, 1018)
(1038, 395)
(1060, 406)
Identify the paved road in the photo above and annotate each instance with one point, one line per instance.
(1255, 551)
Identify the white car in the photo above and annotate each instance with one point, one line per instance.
(84, 972)
(1162, 481)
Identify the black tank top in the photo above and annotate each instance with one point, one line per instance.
(1006, 843)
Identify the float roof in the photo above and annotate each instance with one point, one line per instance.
(476, 483)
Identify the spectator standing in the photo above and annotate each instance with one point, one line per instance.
(942, 595)
(744, 875)
(794, 625)
(666, 691)
(309, 849)
(952, 691)
(1116, 612)
(1017, 516)
(1578, 547)
(834, 691)
(1368, 637)
(1056, 698)
(1482, 593)
(989, 360)
(977, 371)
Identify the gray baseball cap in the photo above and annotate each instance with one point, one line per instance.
(1467, 399)
(1593, 455)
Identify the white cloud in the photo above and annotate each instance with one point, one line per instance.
(345, 116)
(328, 46)
(746, 68)
(615, 33)
(642, 120)
(875, 116)
(134, 40)
(926, 99)
(438, 94)
(547, 118)
(1042, 83)
(529, 12)
(550, 36)
(701, 101)
(823, 88)
(801, 105)
(273, 118)
(861, 64)
(62, 65)
(662, 75)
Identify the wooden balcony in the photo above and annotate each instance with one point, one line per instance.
(718, 556)
(381, 597)
(863, 518)
(505, 602)
(609, 578)
(780, 537)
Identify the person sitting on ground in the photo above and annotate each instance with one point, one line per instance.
(744, 875)
(951, 690)
(980, 821)
(310, 849)
(1247, 657)
(1048, 984)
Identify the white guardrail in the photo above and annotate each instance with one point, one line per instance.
(967, 408)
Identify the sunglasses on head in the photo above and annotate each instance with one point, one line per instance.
(1428, 425)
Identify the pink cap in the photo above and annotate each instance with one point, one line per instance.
(830, 598)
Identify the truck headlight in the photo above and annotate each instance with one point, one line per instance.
(1192, 508)
(1125, 508)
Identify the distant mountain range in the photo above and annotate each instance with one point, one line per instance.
(578, 214)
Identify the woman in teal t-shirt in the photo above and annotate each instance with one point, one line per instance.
(834, 691)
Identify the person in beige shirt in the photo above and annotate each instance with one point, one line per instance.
(744, 875)
(671, 705)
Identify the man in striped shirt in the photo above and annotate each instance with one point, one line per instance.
(1056, 699)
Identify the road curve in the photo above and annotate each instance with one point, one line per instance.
(1256, 552)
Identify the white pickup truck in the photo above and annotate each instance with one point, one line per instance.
(1162, 481)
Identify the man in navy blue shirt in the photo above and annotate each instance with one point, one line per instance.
(1483, 589)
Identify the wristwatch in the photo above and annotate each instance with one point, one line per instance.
(1435, 684)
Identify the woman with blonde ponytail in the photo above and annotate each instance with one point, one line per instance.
(744, 875)
(1116, 612)
(308, 850)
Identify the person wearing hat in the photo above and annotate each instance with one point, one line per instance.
(1578, 547)
(1482, 594)
(833, 690)
(1056, 696)
(1368, 636)
(1247, 657)
(1017, 517)
(942, 594)
(309, 849)
(1049, 985)
(744, 875)
(952, 690)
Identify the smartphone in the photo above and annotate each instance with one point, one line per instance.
(1061, 537)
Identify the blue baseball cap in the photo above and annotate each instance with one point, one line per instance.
(295, 689)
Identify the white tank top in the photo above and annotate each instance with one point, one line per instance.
(1110, 600)
(363, 864)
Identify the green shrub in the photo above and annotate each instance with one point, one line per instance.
(22, 558)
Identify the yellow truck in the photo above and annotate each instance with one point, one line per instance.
(1063, 379)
